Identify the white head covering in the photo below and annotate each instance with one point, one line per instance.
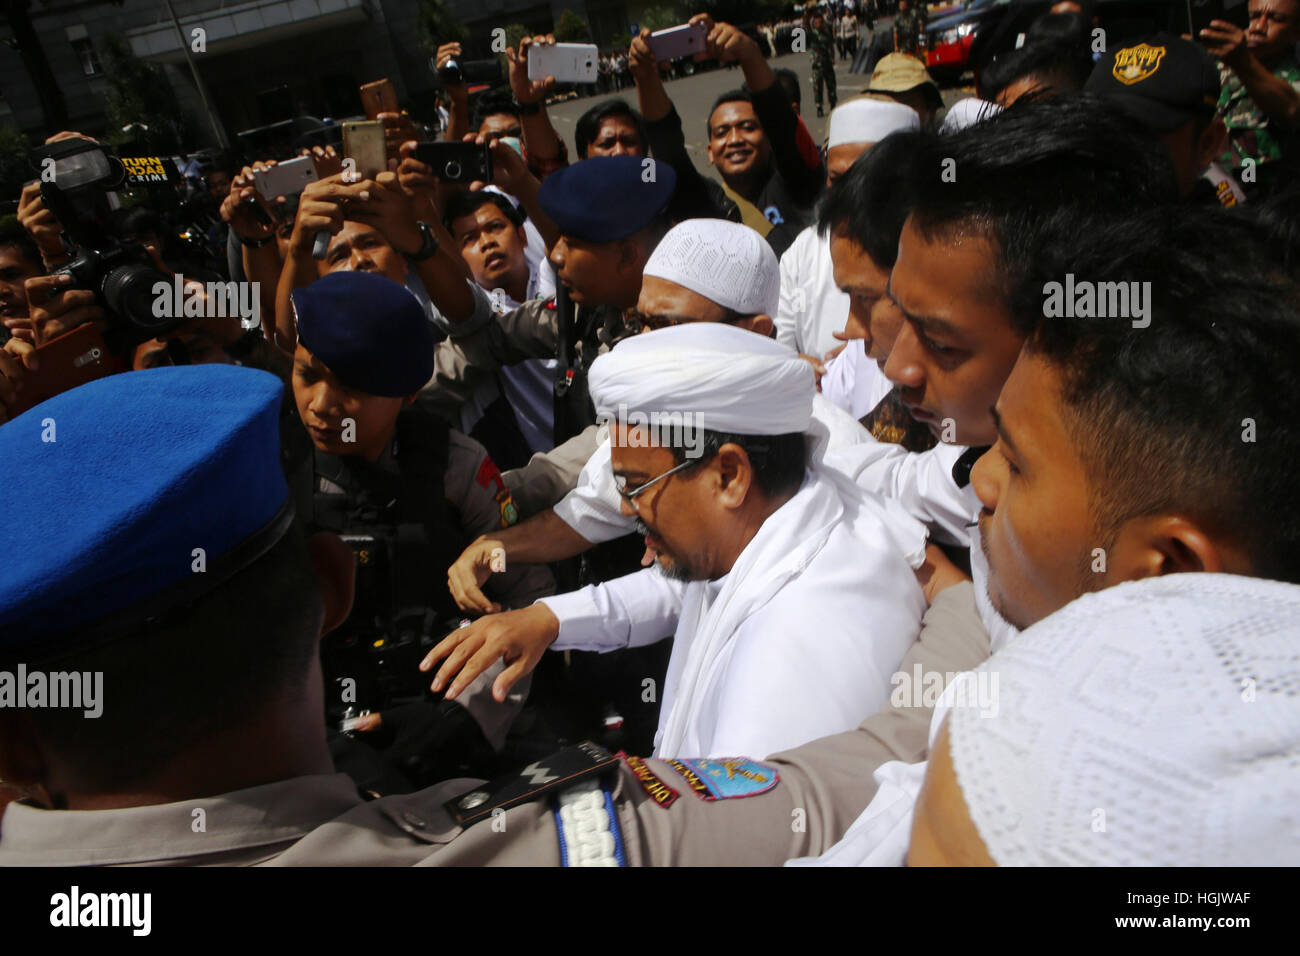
(723, 261)
(727, 379)
(869, 121)
(1155, 723)
(968, 112)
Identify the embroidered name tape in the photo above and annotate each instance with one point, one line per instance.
(655, 788)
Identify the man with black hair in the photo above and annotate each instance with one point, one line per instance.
(1035, 69)
(611, 128)
(767, 182)
(20, 260)
(1130, 452)
(490, 233)
(1019, 176)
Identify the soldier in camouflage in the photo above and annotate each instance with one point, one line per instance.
(1260, 98)
(821, 47)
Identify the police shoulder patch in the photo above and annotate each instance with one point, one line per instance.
(655, 788)
(727, 777)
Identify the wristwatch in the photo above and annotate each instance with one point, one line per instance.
(428, 243)
(527, 109)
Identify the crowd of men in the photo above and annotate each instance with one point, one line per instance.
(921, 496)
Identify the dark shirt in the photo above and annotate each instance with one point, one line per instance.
(788, 194)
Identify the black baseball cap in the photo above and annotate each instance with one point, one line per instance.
(1163, 81)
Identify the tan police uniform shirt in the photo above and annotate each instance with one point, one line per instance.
(820, 788)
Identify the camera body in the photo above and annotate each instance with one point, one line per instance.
(77, 176)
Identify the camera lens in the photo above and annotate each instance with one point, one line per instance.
(452, 170)
(128, 292)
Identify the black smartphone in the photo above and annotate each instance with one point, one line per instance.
(457, 73)
(1201, 12)
(457, 162)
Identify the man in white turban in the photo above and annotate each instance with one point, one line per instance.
(791, 591)
(812, 307)
(703, 270)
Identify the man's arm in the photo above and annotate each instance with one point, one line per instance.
(630, 611)
(1276, 98)
(539, 485)
(541, 143)
(464, 361)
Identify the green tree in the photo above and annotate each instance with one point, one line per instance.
(661, 17)
(139, 93)
(14, 167)
(438, 25)
(571, 28)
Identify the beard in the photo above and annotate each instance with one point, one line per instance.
(667, 564)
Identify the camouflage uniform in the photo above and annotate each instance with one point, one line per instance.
(1250, 135)
(908, 28)
(821, 47)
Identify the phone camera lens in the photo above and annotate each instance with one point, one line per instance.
(452, 169)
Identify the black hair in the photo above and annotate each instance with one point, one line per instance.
(789, 79)
(13, 234)
(247, 642)
(1068, 29)
(492, 103)
(1061, 64)
(731, 96)
(1278, 217)
(871, 201)
(779, 460)
(589, 123)
(1029, 172)
(467, 203)
(1196, 412)
(141, 220)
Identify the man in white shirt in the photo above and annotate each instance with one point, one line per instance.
(1106, 471)
(812, 308)
(799, 596)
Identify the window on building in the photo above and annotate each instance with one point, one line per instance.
(86, 55)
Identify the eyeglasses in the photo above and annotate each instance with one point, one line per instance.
(630, 496)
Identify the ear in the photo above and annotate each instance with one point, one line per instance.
(761, 323)
(410, 399)
(1212, 143)
(335, 569)
(1163, 544)
(736, 475)
(631, 257)
(22, 765)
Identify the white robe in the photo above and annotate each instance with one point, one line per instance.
(797, 642)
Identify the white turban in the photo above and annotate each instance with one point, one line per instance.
(869, 121)
(727, 379)
(723, 261)
(1155, 723)
(968, 112)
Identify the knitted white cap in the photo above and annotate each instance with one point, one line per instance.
(723, 261)
(1156, 723)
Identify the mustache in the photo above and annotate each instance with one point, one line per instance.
(642, 528)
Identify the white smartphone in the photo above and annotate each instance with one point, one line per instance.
(287, 178)
(567, 62)
(675, 42)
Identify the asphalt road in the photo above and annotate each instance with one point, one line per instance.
(693, 96)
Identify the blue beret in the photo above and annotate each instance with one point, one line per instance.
(370, 332)
(607, 197)
(118, 481)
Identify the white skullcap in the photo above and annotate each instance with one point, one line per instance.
(967, 112)
(723, 261)
(1156, 723)
(869, 121)
(728, 379)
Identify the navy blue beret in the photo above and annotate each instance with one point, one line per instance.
(114, 485)
(368, 330)
(607, 197)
